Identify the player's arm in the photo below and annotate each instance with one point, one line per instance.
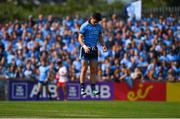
(38, 73)
(48, 76)
(80, 39)
(101, 41)
(48, 72)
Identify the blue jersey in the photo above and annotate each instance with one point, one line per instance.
(43, 73)
(90, 33)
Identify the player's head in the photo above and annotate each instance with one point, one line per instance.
(43, 61)
(96, 17)
(59, 63)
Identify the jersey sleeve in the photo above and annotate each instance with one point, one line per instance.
(47, 68)
(39, 68)
(82, 29)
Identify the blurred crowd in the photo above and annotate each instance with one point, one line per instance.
(146, 49)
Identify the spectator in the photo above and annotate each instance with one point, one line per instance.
(137, 74)
(126, 77)
(20, 72)
(11, 73)
(2, 70)
(28, 71)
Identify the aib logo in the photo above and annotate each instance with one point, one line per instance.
(19, 91)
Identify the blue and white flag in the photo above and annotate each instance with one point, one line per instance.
(134, 9)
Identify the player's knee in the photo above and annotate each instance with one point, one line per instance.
(93, 70)
(84, 69)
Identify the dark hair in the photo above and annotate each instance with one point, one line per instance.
(97, 16)
(59, 62)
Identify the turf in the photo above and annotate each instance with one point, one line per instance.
(90, 109)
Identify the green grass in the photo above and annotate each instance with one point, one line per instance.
(91, 109)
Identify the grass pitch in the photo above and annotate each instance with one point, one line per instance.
(88, 109)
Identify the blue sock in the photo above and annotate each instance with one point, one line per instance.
(82, 86)
(92, 87)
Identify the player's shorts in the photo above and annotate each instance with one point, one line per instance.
(60, 83)
(43, 82)
(92, 55)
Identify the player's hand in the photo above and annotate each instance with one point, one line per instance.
(104, 48)
(86, 49)
(46, 80)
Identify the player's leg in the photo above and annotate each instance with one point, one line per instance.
(64, 91)
(83, 76)
(93, 69)
(47, 89)
(39, 88)
(57, 90)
